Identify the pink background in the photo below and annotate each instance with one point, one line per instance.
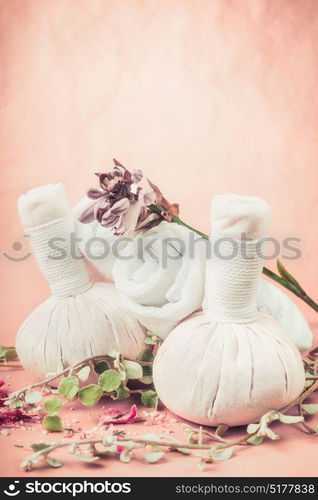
(205, 96)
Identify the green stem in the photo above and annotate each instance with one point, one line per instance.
(270, 274)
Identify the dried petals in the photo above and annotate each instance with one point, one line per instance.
(125, 207)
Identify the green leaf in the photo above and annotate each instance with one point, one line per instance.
(133, 369)
(221, 430)
(151, 341)
(147, 356)
(3, 349)
(90, 394)
(149, 399)
(10, 354)
(86, 458)
(109, 381)
(83, 373)
(101, 366)
(151, 437)
(121, 393)
(125, 456)
(25, 463)
(222, 454)
(53, 462)
(52, 406)
(113, 353)
(255, 440)
(184, 451)
(15, 403)
(33, 397)
(311, 409)
(286, 275)
(289, 419)
(146, 379)
(68, 387)
(53, 423)
(154, 456)
(39, 446)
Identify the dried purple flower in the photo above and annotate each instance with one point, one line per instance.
(122, 205)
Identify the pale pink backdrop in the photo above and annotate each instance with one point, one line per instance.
(205, 96)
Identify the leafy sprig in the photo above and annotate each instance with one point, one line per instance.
(114, 373)
(207, 446)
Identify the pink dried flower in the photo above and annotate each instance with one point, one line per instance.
(3, 394)
(115, 416)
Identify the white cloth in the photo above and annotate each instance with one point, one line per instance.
(81, 319)
(229, 364)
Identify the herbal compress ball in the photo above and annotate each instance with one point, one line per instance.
(230, 364)
(80, 319)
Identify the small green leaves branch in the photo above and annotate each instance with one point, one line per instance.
(113, 371)
(155, 446)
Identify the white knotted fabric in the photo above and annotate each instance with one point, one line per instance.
(81, 319)
(161, 296)
(230, 363)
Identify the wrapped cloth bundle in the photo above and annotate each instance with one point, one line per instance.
(230, 364)
(80, 319)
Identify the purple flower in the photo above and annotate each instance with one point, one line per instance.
(120, 203)
(3, 394)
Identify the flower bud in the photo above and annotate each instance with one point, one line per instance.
(147, 196)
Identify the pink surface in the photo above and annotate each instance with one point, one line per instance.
(206, 97)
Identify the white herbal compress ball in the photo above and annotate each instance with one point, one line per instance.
(160, 296)
(80, 319)
(230, 363)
